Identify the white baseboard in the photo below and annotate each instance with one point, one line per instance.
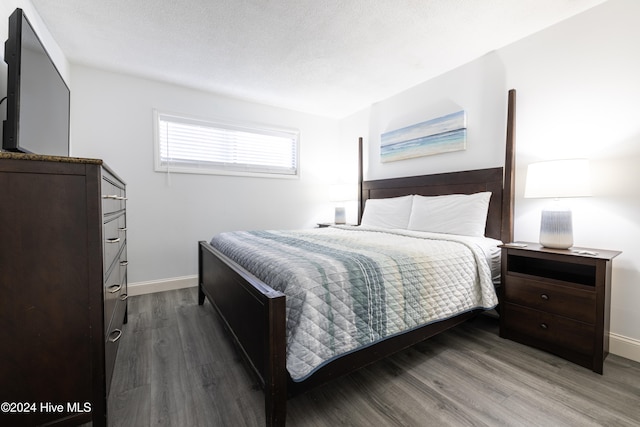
(141, 288)
(626, 347)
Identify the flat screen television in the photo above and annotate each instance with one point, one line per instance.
(38, 98)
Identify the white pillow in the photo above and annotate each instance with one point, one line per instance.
(392, 212)
(462, 214)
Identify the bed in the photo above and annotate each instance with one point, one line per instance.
(255, 314)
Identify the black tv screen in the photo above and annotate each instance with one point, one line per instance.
(37, 95)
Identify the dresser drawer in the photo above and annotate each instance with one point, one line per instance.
(115, 289)
(113, 193)
(112, 340)
(548, 330)
(115, 236)
(577, 304)
(113, 198)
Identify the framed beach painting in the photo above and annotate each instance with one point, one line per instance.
(441, 135)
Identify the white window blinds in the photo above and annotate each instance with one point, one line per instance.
(196, 146)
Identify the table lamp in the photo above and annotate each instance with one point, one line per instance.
(557, 179)
(341, 194)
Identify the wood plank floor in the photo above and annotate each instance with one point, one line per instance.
(175, 367)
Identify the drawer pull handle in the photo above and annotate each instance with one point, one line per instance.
(113, 240)
(114, 288)
(123, 229)
(110, 196)
(117, 337)
(544, 326)
(121, 198)
(545, 297)
(124, 297)
(124, 263)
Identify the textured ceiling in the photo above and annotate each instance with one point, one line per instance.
(328, 57)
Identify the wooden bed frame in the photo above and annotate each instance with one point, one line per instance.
(254, 314)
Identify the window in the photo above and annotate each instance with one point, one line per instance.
(190, 145)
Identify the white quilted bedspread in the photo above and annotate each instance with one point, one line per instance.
(349, 287)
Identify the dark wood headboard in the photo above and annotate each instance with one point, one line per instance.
(499, 181)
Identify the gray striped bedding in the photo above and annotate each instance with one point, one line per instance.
(349, 287)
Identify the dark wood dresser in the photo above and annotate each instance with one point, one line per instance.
(558, 300)
(63, 288)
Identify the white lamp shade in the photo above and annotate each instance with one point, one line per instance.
(342, 192)
(558, 178)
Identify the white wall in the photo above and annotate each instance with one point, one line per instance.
(111, 116)
(578, 95)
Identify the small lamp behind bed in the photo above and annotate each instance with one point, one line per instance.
(557, 179)
(341, 194)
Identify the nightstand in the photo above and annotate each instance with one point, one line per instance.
(558, 300)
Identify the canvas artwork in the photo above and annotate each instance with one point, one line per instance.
(441, 135)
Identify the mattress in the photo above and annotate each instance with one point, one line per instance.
(350, 287)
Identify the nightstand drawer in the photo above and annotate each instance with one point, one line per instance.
(577, 304)
(550, 331)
